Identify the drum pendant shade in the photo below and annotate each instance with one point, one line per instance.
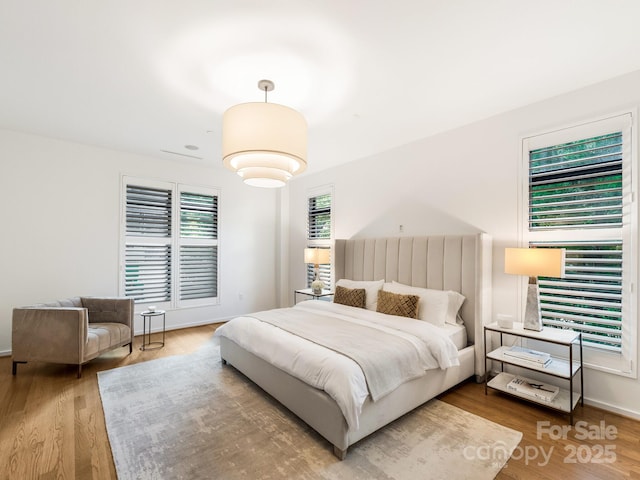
(265, 143)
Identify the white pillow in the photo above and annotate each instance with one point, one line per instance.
(371, 290)
(435, 306)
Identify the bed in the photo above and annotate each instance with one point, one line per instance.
(446, 263)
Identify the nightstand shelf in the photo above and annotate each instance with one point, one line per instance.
(567, 399)
(557, 368)
(309, 293)
(561, 401)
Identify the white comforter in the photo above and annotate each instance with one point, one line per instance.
(322, 368)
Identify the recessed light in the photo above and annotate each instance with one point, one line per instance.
(191, 147)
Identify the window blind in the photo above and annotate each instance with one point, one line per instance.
(148, 211)
(148, 272)
(589, 298)
(198, 215)
(198, 245)
(148, 265)
(319, 217)
(198, 271)
(577, 184)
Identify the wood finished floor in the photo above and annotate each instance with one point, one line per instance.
(52, 425)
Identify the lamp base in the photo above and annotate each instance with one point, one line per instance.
(532, 317)
(317, 286)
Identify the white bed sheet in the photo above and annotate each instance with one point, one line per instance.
(339, 376)
(457, 334)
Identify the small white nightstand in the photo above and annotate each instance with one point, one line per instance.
(309, 293)
(564, 368)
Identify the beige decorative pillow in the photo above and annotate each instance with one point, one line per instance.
(371, 287)
(398, 304)
(435, 306)
(353, 297)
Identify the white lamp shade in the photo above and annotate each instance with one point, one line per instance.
(317, 256)
(265, 143)
(534, 262)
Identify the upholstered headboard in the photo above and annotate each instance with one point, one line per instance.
(461, 263)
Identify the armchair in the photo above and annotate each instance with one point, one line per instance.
(71, 331)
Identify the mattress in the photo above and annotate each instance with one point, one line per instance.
(457, 334)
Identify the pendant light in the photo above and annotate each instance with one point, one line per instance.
(264, 143)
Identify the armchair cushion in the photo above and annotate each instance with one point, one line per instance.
(102, 336)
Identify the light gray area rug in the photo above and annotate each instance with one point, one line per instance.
(190, 417)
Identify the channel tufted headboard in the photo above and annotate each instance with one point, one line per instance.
(450, 262)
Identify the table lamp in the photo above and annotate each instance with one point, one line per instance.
(317, 256)
(534, 263)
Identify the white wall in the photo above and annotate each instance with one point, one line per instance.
(60, 228)
(462, 181)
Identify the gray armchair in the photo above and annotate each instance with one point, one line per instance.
(71, 331)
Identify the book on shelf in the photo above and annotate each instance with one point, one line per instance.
(533, 388)
(531, 363)
(528, 354)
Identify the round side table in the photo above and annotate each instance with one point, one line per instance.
(147, 315)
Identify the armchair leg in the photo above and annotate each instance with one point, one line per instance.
(130, 348)
(80, 371)
(14, 368)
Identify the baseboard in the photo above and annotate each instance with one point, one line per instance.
(158, 328)
(612, 408)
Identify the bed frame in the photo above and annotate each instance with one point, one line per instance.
(461, 263)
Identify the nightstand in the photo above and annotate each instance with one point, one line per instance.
(565, 368)
(309, 293)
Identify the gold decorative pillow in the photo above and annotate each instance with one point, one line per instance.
(353, 297)
(398, 304)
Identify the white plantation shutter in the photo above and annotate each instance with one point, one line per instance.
(148, 211)
(167, 262)
(319, 217)
(198, 271)
(148, 244)
(198, 246)
(198, 215)
(319, 233)
(589, 298)
(580, 199)
(577, 184)
(148, 273)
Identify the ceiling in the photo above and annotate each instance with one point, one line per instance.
(155, 76)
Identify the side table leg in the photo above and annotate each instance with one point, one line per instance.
(164, 318)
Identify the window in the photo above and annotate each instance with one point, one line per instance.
(170, 243)
(319, 231)
(198, 245)
(579, 197)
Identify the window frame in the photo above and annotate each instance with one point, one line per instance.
(175, 241)
(623, 363)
